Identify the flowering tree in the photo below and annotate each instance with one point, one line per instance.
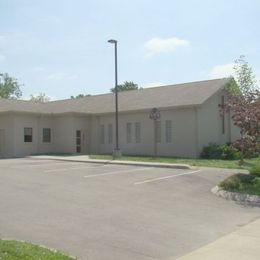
(244, 104)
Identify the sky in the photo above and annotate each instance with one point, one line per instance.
(60, 47)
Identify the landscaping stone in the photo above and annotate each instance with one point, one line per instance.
(245, 199)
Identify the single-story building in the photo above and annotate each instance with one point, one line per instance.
(189, 120)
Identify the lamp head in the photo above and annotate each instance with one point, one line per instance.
(112, 41)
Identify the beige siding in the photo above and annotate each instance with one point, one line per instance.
(183, 133)
(7, 135)
(209, 123)
(37, 123)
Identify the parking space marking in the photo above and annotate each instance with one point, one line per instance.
(116, 172)
(42, 164)
(73, 168)
(165, 177)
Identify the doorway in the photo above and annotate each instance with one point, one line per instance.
(81, 141)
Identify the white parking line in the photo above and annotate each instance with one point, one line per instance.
(73, 168)
(117, 172)
(165, 177)
(43, 164)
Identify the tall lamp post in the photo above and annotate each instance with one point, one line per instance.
(116, 152)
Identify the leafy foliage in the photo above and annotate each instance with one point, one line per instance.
(80, 96)
(127, 85)
(41, 98)
(244, 104)
(244, 76)
(243, 183)
(223, 151)
(9, 87)
(255, 170)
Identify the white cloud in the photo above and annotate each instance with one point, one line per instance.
(164, 45)
(153, 84)
(222, 71)
(2, 58)
(61, 76)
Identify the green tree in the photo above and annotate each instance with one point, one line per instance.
(127, 85)
(9, 87)
(41, 98)
(244, 75)
(80, 96)
(244, 104)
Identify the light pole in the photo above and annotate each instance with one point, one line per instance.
(116, 152)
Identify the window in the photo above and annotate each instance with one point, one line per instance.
(129, 132)
(158, 131)
(28, 132)
(110, 133)
(102, 134)
(138, 132)
(46, 135)
(168, 131)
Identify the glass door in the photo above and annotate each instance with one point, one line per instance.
(78, 141)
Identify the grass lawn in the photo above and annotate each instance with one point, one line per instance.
(15, 250)
(242, 183)
(230, 164)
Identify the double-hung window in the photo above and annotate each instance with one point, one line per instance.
(102, 134)
(28, 134)
(168, 131)
(46, 135)
(110, 133)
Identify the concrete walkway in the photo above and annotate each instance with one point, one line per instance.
(243, 244)
(85, 158)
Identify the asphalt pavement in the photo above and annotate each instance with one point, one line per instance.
(103, 211)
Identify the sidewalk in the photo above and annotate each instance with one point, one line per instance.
(85, 158)
(243, 244)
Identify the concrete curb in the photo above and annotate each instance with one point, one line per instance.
(245, 199)
(133, 163)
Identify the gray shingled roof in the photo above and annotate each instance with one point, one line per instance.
(187, 94)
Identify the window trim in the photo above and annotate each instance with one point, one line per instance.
(43, 140)
(128, 133)
(102, 134)
(26, 135)
(110, 133)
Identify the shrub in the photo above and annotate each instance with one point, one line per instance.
(255, 170)
(243, 183)
(220, 151)
(235, 181)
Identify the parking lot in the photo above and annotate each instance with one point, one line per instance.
(103, 211)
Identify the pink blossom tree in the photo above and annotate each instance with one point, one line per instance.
(244, 104)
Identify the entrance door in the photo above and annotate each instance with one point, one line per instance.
(2, 142)
(81, 141)
(78, 141)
